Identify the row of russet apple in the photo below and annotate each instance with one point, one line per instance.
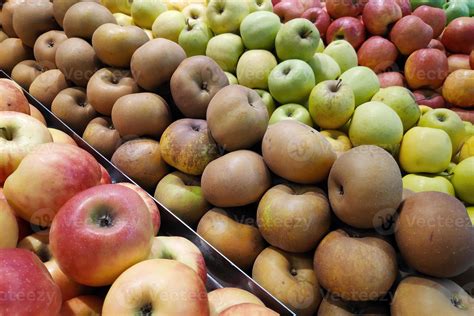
(50, 182)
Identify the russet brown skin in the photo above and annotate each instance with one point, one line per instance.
(13, 51)
(60, 8)
(107, 85)
(355, 269)
(47, 86)
(292, 279)
(194, 84)
(83, 18)
(101, 134)
(6, 16)
(25, 72)
(71, 106)
(435, 235)
(333, 306)
(46, 45)
(411, 33)
(140, 159)
(188, 146)
(235, 179)
(219, 229)
(154, 63)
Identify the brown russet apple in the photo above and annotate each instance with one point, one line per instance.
(426, 68)
(101, 134)
(140, 159)
(194, 83)
(338, 8)
(219, 228)
(141, 114)
(154, 63)
(12, 98)
(297, 152)
(25, 72)
(457, 37)
(457, 89)
(46, 45)
(390, 79)
(37, 115)
(458, 61)
(60, 8)
(430, 223)
(429, 98)
(248, 309)
(77, 60)
(377, 53)
(411, 33)
(47, 86)
(3, 36)
(359, 195)
(188, 146)
(235, 179)
(293, 217)
(355, 268)
(107, 85)
(222, 299)
(378, 15)
(13, 51)
(417, 295)
(334, 306)
(292, 279)
(115, 44)
(33, 18)
(72, 107)
(6, 17)
(347, 28)
(83, 18)
(237, 117)
(61, 137)
(82, 305)
(434, 17)
(181, 193)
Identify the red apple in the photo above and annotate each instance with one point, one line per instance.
(288, 10)
(378, 15)
(47, 178)
(464, 114)
(377, 53)
(458, 35)
(105, 179)
(340, 8)
(114, 223)
(26, 286)
(150, 204)
(434, 17)
(248, 309)
(471, 59)
(319, 17)
(434, 43)
(389, 79)
(307, 4)
(411, 33)
(12, 98)
(429, 98)
(405, 5)
(458, 61)
(426, 68)
(346, 28)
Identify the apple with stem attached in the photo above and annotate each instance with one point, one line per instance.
(297, 39)
(347, 28)
(291, 111)
(225, 16)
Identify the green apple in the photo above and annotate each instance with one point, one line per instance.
(403, 102)
(363, 81)
(425, 150)
(432, 3)
(467, 149)
(267, 99)
(123, 19)
(424, 109)
(225, 16)
(145, 12)
(331, 104)
(259, 30)
(195, 12)
(226, 50)
(450, 122)
(375, 123)
(469, 128)
(260, 5)
(321, 46)
(169, 25)
(194, 38)
(470, 212)
(339, 141)
(254, 67)
(463, 180)
(426, 182)
(291, 111)
(297, 39)
(324, 67)
(343, 53)
(232, 79)
(291, 81)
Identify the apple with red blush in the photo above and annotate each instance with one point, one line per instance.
(458, 61)
(405, 5)
(390, 79)
(411, 33)
(458, 35)
(434, 17)
(429, 98)
(434, 43)
(341, 8)
(346, 28)
(288, 10)
(377, 53)
(426, 68)
(464, 114)
(378, 15)
(319, 17)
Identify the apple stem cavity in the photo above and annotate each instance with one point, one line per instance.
(146, 310)
(306, 34)
(456, 301)
(5, 133)
(293, 272)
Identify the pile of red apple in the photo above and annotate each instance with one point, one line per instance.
(319, 173)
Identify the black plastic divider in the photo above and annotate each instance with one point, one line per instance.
(221, 271)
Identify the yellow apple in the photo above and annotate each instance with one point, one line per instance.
(8, 226)
(467, 150)
(422, 183)
(463, 180)
(470, 212)
(339, 141)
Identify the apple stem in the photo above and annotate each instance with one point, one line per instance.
(307, 34)
(5, 134)
(189, 27)
(339, 84)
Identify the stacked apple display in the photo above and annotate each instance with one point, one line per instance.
(326, 148)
